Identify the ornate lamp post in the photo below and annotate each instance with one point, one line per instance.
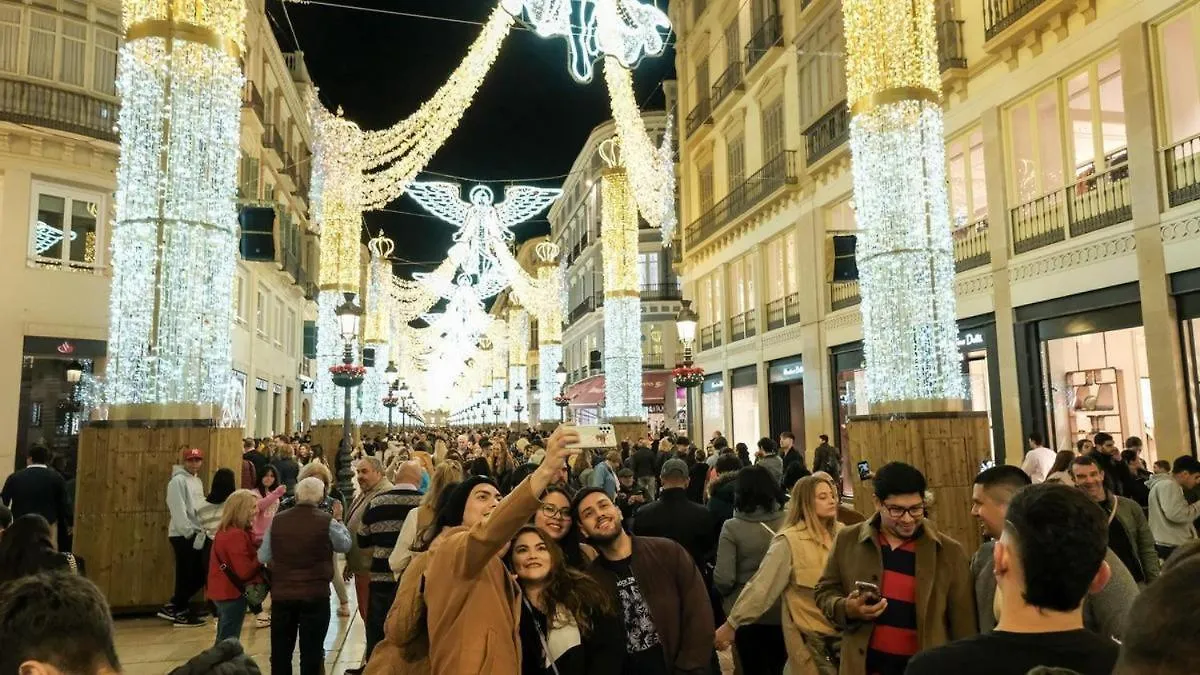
(348, 316)
(518, 405)
(560, 376)
(685, 325)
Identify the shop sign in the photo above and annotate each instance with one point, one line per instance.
(713, 384)
(971, 339)
(261, 384)
(654, 408)
(785, 371)
(307, 386)
(278, 388)
(65, 348)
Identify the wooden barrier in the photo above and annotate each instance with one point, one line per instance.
(120, 503)
(947, 447)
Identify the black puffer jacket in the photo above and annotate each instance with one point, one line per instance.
(721, 496)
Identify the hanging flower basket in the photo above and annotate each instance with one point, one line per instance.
(562, 401)
(347, 375)
(688, 376)
(390, 401)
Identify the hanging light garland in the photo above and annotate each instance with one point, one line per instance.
(905, 254)
(622, 297)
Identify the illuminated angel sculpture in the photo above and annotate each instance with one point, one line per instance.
(627, 30)
(484, 232)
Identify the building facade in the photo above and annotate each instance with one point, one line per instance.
(58, 159)
(575, 227)
(1072, 135)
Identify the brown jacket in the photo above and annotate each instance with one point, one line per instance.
(945, 593)
(678, 600)
(472, 605)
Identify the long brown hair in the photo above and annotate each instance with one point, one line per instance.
(1062, 461)
(802, 507)
(566, 588)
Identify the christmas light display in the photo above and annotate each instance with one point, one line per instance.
(337, 198)
(174, 237)
(395, 155)
(905, 254)
(622, 297)
(626, 30)
(328, 399)
(549, 316)
(651, 170)
(379, 280)
(518, 355)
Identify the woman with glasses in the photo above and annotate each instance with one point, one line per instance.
(569, 624)
(787, 576)
(554, 518)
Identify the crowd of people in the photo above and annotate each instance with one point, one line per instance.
(493, 551)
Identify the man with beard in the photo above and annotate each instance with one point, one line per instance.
(664, 604)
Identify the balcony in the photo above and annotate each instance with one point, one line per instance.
(252, 100)
(1182, 164)
(661, 292)
(1000, 14)
(971, 247)
(587, 306)
(1009, 25)
(729, 82)
(711, 336)
(310, 287)
(700, 115)
(53, 108)
(768, 35)
(778, 172)
(1092, 203)
(843, 294)
(827, 133)
(952, 54)
(783, 312)
(273, 140)
(742, 326)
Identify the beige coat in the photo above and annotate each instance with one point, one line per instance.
(945, 592)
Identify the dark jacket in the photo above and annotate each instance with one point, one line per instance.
(793, 456)
(259, 461)
(644, 463)
(827, 458)
(288, 470)
(1120, 480)
(678, 601)
(697, 479)
(301, 554)
(40, 490)
(681, 520)
(720, 498)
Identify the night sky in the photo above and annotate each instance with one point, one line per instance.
(529, 119)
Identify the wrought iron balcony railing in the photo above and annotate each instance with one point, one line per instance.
(1000, 14)
(843, 294)
(1182, 164)
(777, 172)
(727, 83)
(54, 108)
(699, 116)
(1092, 203)
(769, 34)
(951, 52)
(711, 336)
(661, 292)
(971, 247)
(829, 131)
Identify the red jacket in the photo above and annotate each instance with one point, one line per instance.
(236, 548)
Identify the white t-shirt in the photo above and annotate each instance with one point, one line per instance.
(1038, 463)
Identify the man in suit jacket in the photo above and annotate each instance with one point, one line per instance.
(38, 489)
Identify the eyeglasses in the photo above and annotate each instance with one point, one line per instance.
(552, 511)
(897, 512)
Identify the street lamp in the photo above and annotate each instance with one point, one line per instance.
(685, 325)
(348, 315)
(519, 405)
(560, 376)
(74, 372)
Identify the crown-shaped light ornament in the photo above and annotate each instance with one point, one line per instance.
(381, 246)
(610, 152)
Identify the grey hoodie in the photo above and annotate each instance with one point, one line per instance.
(182, 490)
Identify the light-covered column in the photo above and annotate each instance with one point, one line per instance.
(622, 297)
(905, 253)
(550, 352)
(518, 357)
(174, 243)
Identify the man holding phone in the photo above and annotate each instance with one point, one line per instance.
(893, 584)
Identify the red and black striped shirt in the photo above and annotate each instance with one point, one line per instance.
(894, 639)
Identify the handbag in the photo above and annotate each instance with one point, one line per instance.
(254, 593)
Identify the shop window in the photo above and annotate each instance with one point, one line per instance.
(1192, 348)
(772, 130)
(65, 228)
(10, 38)
(745, 417)
(72, 52)
(239, 299)
(1099, 382)
(1180, 78)
(705, 180)
(735, 161)
(104, 62)
(822, 79)
(712, 414)
(260, 313)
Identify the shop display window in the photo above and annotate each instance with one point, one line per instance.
(712, 410)
(1099, 382)
(745, 417)
(1191, 331)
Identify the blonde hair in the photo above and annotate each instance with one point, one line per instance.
(239, 511)
(440, 450)
(802, 507)
(316, 470)
(447, 473)
(286, 451)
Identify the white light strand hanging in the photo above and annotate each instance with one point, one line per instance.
(379, 281)
(337, 203)
(328, 398)
(518, 355)
(174, 243)
(395, 155)
(905, 254)
(622, 297)
(651, 170)
(549, 317)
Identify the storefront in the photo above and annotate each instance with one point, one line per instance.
(980, 369)
(712, 408)
(1186, 288)
(785, 397)
(587, 398)
(744, 398)
(52, 406)
(1084, 360)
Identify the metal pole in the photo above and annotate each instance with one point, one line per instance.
(347, 442)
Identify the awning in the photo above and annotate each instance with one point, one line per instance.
(590, 392)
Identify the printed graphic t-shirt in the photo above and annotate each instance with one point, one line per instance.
(643, 648)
